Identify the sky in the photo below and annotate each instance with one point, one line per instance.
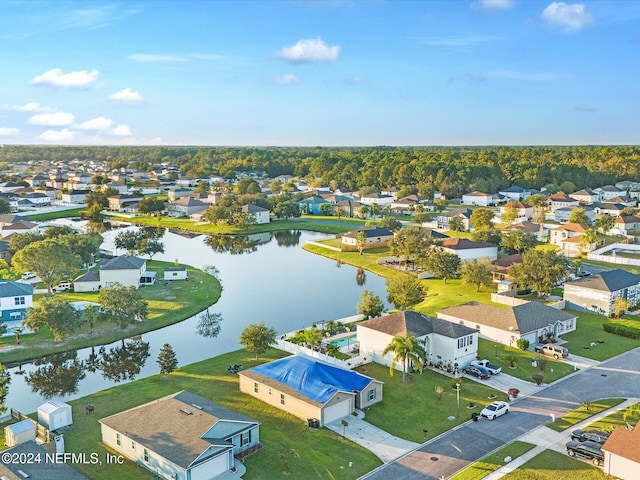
(320, 73)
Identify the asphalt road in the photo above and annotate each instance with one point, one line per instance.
(450, 452)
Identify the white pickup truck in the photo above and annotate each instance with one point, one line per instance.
(493, 369)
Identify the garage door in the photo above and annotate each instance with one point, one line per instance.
(337, 411)
(211, 468)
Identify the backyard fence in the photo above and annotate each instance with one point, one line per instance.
(506, 300)
(349, 364)
(598, 255)
(41, 432)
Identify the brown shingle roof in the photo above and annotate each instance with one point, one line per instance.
(625, 443)
(464, 244)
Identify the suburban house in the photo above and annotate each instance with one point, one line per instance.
(585, 196)
(609, 191)
(124, 202)
(75, 196)
(310, 389)
(597, 293)
(524, 211)
(374, 237)
(528, 227)
(186, 206)
(125, 270)
(569, 230)
(503, 265)
(469, 249)
(479, 198)
(21, 226)
(175, 273)
(559, 200)
(377, 198)
(627, 185)
(562, 215)
(312, 204)
(181, 436)
(15, 299)
(627, 224)
(532, 321)
(175, 193)
(621, 453)
(444, 342)
(608, 208)
(443, 219)
(260, 215)
(515, 193)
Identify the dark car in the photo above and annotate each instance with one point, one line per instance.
(589, 450)
(589, 435)
(474, 372)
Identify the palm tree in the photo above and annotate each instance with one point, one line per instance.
(405, 350)
(361, 241)
(587, 239)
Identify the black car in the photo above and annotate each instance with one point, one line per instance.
(474, 372)
(590, 450)
(589, 435)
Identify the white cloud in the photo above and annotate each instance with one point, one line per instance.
(126, 95)
(95, 124)
(530, 77)
(28, 107)
(56, 136)
(572, 17)
(121, 131)
(285, 79)
(9, 132)
(309, 50)
(493, 4)
(58, 119)
(55, 78)
(145, 57)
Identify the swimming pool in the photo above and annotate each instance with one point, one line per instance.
(344, 341)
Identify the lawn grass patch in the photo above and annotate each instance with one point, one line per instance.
(589, 330)
(493, 462)
(616, 419)
(555, 369)
(167, 304)
(410, 407)
(40, 217)
(582, 413)
(551, 465)
(290, 448)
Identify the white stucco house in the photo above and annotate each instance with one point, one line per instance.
(479, 198)
(127, 270)
(506, 324)
(597, 293)
(181, 437)
(374, 237)
(260, 215)
(622, 453)
(444, 341)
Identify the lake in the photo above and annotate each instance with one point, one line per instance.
(274, 281)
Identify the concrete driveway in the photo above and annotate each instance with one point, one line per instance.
(384, 445)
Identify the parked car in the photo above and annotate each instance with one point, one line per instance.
(28, 275)
(590, 450)
(589, 435)
(61, 287)
(551, 349)
(494, 410)
(475, 372)
(493, 369)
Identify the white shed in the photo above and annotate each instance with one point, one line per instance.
(175, 273)
(55, 415)
(20, 432)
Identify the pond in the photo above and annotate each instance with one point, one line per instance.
(266, 277)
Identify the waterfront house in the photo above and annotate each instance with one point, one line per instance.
(260, 215)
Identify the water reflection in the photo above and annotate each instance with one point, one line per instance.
(233, 244)
(361, 277)
(123, 362)
(153, 233)
(288, 238)
(209, 324)
(57, 375)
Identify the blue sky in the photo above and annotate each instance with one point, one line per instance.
(480, 72)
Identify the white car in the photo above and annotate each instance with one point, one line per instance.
(494, 410)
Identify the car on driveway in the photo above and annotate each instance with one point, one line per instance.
(551, 349)
(494, 410)
(596, 436)
(490, 367)
(475, 372)
(589, 450)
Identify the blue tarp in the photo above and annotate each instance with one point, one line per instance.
(313, 379)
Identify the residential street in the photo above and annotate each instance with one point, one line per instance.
(454, 450)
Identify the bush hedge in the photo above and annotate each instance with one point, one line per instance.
(622, 330)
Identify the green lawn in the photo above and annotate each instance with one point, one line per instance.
(523, 368)
(290, 448)
(580, 414)
(493, 462)
(589, 330)
(610, 266)
(39, 217)
(166, 305)
(551, 465)
(614, 420)
(425, 411)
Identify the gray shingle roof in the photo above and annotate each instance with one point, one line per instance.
(37, 470)
(370, 232)
(12, 289)
(124, 262)
(611, 281)
(91, 276)
(416, 324)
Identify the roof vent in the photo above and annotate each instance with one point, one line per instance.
(24, 474)
(196, 406)
(186, 411)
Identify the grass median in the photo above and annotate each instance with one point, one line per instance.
(587, 410)
(550, 465)
(493, 462)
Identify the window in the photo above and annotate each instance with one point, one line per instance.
(569, 324)
(145, 453)
(118, 441)
(19, 300)
(371, 395)
(282, 399)
(245, 438)
(269, 391)
(255, 387)
(133, 445)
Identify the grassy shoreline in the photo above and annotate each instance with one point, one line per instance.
(167, 305)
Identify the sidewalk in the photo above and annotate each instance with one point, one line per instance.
(546, 439)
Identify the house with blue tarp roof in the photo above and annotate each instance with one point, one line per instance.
(310, 389)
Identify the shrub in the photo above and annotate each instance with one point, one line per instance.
(513, 392)
(522, 343)
(622, 330)
(541, 362)
(525, 291)
(537, 378)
